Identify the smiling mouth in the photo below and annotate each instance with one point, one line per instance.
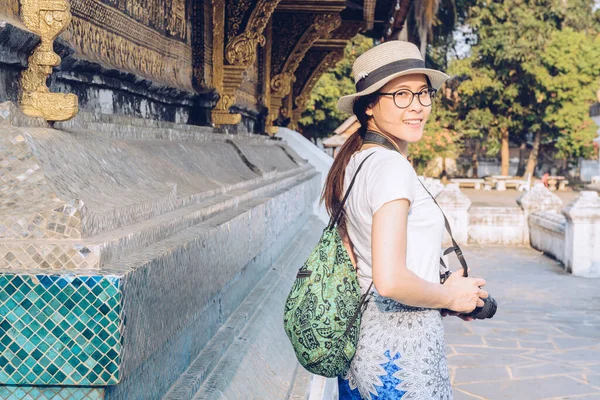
(412, 121)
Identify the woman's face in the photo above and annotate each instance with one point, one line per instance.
(406, 124)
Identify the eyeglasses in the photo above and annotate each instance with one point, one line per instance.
(404, 97)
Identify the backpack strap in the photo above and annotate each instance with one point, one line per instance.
(335, 218)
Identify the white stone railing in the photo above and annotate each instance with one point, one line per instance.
(570, 234)
(496, 225)
(547, 233)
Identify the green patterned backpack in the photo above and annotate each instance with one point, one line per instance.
(322, 312)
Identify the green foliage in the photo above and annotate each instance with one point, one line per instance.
(567, 75)
(440, 138)
(322, 116)
(534, 66)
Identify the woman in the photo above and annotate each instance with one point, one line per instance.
(393, 232)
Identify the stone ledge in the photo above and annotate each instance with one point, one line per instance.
(184, 266)
(121, 182)
(41, 256)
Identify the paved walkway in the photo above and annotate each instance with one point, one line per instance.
(543, 343)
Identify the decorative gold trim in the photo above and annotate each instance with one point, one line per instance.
(46, 18)
(10, 9)
(172, 67)
(300, 101)
(328, 61)
(281, 84)
(266, 94)
(240, 54)
(220, 114)
(242, 49)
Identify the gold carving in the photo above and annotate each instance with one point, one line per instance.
(117, 38)
(10, 9)
(221, 115)
(326, 23)
(328, 61)
(282, 84)
(46, 18)
(322, 26)
(240, 54)
(176, 20)
(242, 49)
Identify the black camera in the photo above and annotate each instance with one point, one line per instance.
(487, 311)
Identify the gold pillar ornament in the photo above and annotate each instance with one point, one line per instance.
(281, 84)
(47, 19)
(240, 53)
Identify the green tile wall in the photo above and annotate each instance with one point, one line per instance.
(50, 393)
(59, 329)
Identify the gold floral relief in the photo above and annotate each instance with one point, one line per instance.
(158, 59)
(241, 50)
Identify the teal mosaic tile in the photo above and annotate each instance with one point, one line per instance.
(59, 330)
(50, 393)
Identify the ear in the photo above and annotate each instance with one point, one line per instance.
(369, 111)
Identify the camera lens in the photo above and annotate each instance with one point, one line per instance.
(487, 311)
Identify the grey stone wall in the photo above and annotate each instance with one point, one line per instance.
(187, 222)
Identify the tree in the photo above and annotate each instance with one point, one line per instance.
(566, 78)
(510, 83)
(322, 116)
(440, 137)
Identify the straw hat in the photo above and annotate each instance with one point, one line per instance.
(380, 64)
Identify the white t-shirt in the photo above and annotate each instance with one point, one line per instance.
(384, 177)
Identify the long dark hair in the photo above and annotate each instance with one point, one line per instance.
(334, 184)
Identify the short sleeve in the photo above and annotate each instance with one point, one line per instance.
(390, 177)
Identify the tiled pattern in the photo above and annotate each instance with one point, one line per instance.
(59, 329)
(48, 256)
(62, 222)
(29, 209)
(50, 393)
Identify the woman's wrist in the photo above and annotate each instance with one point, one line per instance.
(444, 297)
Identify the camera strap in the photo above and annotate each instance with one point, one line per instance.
(371, 137)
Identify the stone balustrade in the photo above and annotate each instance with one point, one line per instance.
(570, 234)
(496, 226)
(455, 205)
(538, 198)
(582, 236)
(547, 233)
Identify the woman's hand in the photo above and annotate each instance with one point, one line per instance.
(465, 294)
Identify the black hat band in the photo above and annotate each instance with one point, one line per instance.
(388, 69)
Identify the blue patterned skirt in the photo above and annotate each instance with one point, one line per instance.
(400, 355)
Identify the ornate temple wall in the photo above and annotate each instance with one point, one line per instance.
(131, 57)
(138, 207)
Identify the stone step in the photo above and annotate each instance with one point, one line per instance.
(250, 356)
(107, 247)
(83, 118)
